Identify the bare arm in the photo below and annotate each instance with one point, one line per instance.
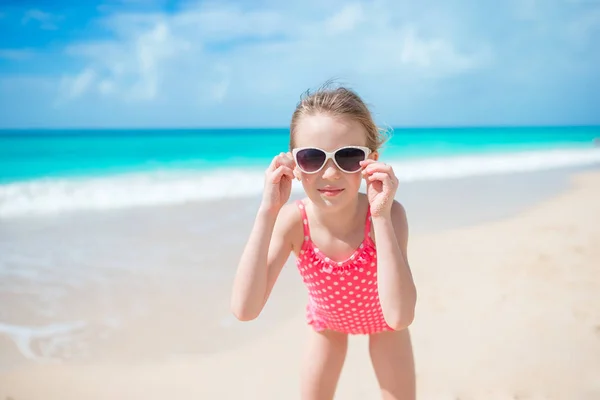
(266, 251)
(397, 290)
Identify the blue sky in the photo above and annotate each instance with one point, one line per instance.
(166, 63)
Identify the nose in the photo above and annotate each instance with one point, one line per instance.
(330, 170)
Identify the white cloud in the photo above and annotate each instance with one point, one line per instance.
(80, 83)
(221, 22)
(107, 87)
(225, 50)
(584, 26)
(438, 54)
(346, 20)
(45, 20)
(130, 66)
(219, 90)
(217, 63)
(527, 9)
(16, 54)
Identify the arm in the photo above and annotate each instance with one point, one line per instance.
(397, 292)
(264, 255)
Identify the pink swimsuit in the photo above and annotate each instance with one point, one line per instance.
(342, 296)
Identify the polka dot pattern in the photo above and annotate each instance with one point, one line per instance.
(342, 296)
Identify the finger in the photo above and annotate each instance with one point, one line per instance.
(380, 176)
(284, 170)
(281, 172)
(386, 180)
(274, 163)
(366, 162)
(365, 166)
(288, 160)
(378, 167)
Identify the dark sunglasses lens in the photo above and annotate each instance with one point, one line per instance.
(310, 160)
(349, 159)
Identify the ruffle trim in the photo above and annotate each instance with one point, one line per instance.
(313, 321)
(362, 257)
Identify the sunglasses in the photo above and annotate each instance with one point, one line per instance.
(312, 159)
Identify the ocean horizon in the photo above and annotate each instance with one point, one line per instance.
(47, 171)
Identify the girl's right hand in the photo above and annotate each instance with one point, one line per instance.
(278, 182)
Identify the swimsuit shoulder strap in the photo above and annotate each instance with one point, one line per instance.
(302, 208)
(368, 224)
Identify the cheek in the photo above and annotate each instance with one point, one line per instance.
(355, 180)
(308, 180)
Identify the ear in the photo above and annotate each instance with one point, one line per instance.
(374, 155)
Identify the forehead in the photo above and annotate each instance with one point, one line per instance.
(328, 133)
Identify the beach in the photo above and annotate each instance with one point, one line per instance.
(506, 268)
(136, 139)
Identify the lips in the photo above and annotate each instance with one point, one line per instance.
(330, 191)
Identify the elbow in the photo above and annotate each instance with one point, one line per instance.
(402, 321)
(243, 315)
(245, 307)
(242, 312)
(401, 318)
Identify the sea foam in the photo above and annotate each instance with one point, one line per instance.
(49, 196)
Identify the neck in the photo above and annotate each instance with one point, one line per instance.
(339, 221)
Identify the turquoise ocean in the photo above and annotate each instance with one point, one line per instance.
(50, 171)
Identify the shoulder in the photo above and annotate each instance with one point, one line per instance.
(289, 216)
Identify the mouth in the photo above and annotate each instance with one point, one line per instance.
(330, 192)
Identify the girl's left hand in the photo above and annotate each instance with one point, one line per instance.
(382, 184)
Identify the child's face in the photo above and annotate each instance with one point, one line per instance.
(329, 187)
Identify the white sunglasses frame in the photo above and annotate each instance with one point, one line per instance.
(330, 155)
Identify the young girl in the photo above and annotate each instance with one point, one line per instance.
(350, 247)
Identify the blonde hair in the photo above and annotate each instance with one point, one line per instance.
(338, 101)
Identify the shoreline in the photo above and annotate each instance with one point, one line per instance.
(157, 188)
(491, 300)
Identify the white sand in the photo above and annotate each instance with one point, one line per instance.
(506, 310)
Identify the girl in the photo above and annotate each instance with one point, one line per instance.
(350, 247)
